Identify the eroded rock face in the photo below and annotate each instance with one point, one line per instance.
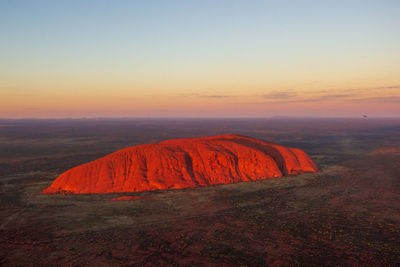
(184, 163)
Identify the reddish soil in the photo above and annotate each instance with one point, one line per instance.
(125, 198)
(346, 214)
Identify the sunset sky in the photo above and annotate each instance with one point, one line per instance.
(199, 58)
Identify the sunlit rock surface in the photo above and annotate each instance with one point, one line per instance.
(183, 163)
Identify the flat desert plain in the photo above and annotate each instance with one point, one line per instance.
(348, 213)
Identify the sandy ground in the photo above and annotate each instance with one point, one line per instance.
(346, 214)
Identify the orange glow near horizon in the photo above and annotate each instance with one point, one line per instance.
(244, 60)
(150, 102)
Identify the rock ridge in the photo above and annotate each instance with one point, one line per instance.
(184, 163)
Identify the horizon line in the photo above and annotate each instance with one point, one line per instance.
(198, 117)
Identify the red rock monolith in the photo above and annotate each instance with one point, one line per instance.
(183, 163)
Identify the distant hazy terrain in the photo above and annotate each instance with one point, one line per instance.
(348, 213)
